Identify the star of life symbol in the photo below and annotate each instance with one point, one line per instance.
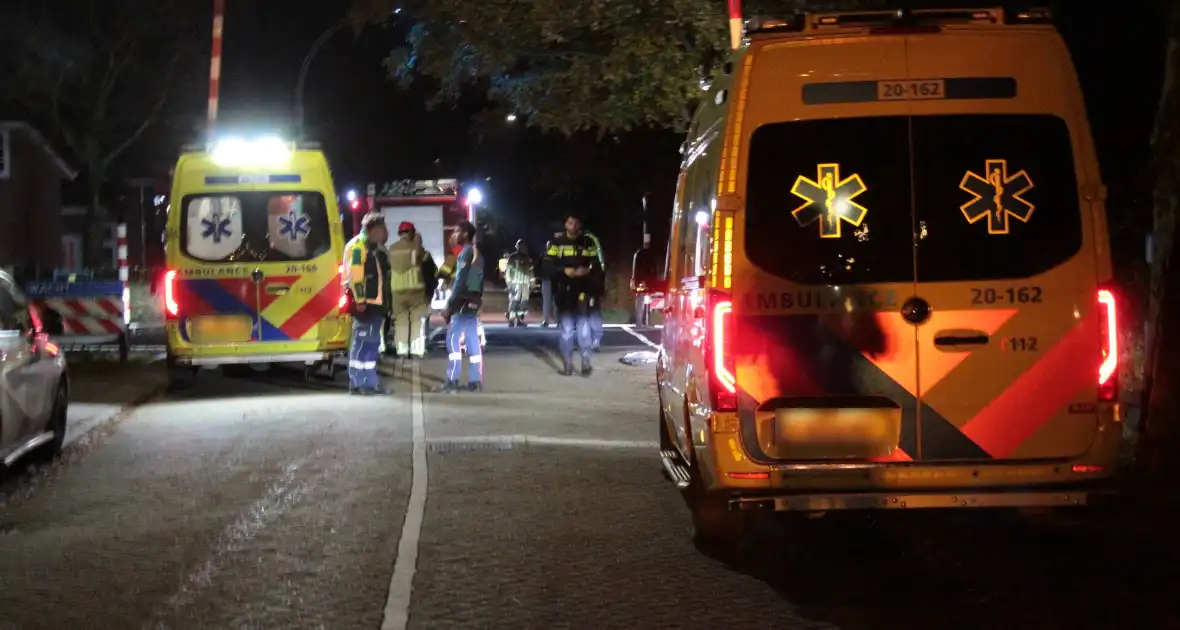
(829, 200)
(215, 227)
(997, 196)
(293, 227)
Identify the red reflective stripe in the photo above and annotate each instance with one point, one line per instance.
(897, 455)
(111, 307)
(310, 314)
(1039, 394)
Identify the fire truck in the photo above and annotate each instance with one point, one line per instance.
(435, 208)
(432, 205)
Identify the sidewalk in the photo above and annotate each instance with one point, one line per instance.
(101, 390)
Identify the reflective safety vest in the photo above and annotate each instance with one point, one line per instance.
(405, 263)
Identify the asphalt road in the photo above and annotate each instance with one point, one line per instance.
(261, 501)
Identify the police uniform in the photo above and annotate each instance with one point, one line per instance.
(367, 268)
(410, 305)
(577, 298)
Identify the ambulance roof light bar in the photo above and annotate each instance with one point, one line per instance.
(266, 151)
(898, 19)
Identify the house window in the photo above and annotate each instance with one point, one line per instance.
(4, 153)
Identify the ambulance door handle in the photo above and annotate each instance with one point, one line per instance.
(960, 338)
(278, 289)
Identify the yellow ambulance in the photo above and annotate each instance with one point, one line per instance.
(253, 251)
(889, 274)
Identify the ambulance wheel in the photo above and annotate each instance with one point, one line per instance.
(180, 377)
(715, 528)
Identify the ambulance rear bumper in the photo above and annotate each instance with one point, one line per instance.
(306, 358)
(1023, 498)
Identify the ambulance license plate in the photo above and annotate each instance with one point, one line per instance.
(222, 329)
(911, 90)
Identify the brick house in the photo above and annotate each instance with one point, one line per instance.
(31, 177)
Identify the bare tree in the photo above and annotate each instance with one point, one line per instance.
(97, 74)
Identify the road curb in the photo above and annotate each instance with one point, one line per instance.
(121, 413)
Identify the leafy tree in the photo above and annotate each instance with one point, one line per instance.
(96, 75)
(607, 65)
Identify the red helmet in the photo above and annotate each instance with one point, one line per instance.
(405, 226)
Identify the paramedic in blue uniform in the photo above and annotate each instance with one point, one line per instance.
(462, 313)
(367, 266)
(571, 262)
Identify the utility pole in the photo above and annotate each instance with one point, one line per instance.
(215, 64)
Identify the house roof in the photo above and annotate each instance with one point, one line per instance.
(66, 171)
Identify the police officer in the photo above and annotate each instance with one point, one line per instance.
(518, 273)
(410, 305)
(462, 313)
(596, 315)
(367, 267)
(571, 262)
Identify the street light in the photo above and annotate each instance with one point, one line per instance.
(315, 49)
(352, 195)
(511, 118)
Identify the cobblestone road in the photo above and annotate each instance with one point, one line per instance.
(265, 502)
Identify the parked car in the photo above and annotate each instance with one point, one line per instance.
(34, 382)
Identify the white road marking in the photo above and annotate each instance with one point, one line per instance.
(631, 331)
(539, 440)
(401, 585)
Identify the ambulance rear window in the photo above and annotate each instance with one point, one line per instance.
(963, 165)
(993, 197)
(255, 226)
(860, 166)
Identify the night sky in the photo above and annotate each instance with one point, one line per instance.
(372, 130)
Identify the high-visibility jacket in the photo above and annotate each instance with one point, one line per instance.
(580, 294)
(519, 269)
(367, 269)
(405, 262)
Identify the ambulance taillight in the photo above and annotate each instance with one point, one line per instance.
(171, 307)
(1108, 370)
(722, 370)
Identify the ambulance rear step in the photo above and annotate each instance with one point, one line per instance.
(916, 500)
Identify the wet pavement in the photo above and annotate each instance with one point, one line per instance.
(262, 501)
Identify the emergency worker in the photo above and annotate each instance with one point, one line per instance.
(596, 316)
(462, 313)
(410, 305)
(430, 282)
(367, 268)
(518, 273)
(572, 264)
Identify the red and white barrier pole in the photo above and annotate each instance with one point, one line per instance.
(215, 62)
(124, 272)
(735, 24)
